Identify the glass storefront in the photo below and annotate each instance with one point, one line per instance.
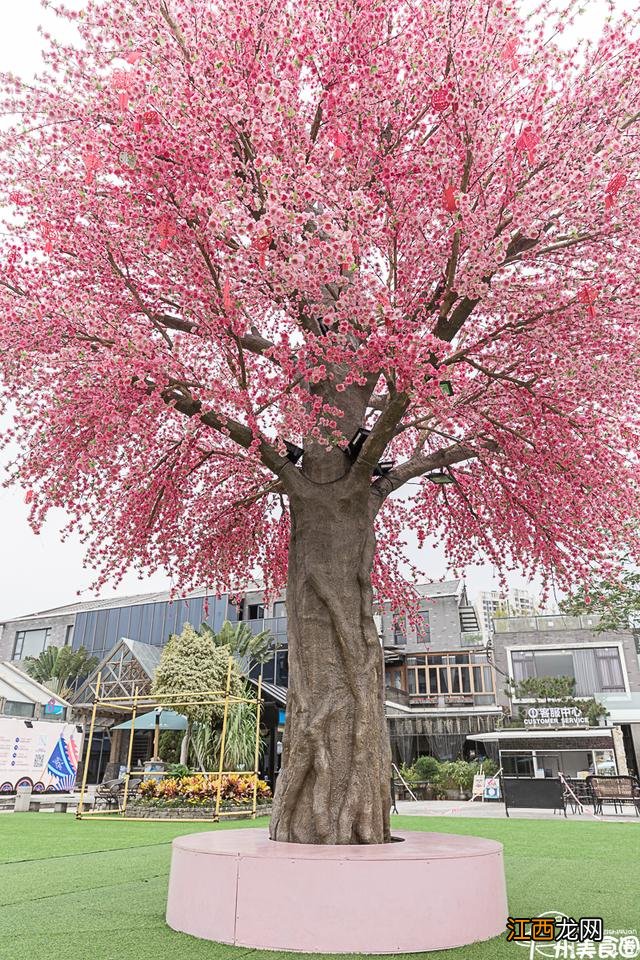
(573, 764)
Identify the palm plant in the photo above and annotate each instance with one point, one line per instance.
(241, 641)
(239, 744)
(57, 668)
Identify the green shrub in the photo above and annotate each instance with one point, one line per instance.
(409, 775)
(178, 771)
(459, 774)
(427, 768)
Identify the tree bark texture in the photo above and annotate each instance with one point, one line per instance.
(334, 784)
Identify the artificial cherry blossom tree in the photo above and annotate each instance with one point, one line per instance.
(237, 229)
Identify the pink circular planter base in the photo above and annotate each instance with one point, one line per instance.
(431, 892)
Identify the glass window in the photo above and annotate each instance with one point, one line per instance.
(424, 629)
(233, 612)
(17, 708)
(517, 764)
(282, 668)
(604, 762)
(594, 669)
(255, 611)
(555, 663)
(279, 608)
(422, 681)
(268, 671)
(31, 643)
(411, 681)
(609, 668)
(523, 665)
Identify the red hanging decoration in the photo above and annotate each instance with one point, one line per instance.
(262, 244)
(92, 164)
(509, 53)
(167, 230)
(588, 295)
(449, 199)
(121, 83)
(442, 99)
(527, 142)
(226, 296)
(615, 185)
(340, 142)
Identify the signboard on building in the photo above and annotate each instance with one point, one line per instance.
(53, 708)
(38, 754)
(555, 717)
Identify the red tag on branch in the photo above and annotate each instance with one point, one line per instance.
(615, 185)
(167, 230)
(449, 199)
(527, 142)
(588, 295)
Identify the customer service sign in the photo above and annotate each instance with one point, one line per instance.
(39, 754)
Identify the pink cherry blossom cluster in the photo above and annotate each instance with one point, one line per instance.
(231, 225)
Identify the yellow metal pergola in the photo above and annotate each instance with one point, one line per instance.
(171, 701)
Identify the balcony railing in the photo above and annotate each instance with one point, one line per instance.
(471, 638)
(541, 624)
(445, 700)
(276, 625)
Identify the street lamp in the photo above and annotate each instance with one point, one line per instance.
(357, 442)
(383, 468)
(441, 478)
(294, 452)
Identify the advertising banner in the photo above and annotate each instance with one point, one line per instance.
(492, 788)
(477, 791)
(43, 755)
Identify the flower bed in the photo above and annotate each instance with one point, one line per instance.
(194, 796)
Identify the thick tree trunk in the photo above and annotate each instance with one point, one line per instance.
(334, 783)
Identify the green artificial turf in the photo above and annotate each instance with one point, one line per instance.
(97, 890)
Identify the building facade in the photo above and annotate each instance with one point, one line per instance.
(603, 664)
(496, 603)
(439, 682)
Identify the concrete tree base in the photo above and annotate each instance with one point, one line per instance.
(430, 892)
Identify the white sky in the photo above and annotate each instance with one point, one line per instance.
(37, 572)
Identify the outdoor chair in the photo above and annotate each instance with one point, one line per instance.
(134, 785)
(619, 791)
(577, 794)
(107, 794)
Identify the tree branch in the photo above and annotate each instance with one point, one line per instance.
(421, 463)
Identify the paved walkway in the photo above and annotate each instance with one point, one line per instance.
(495, 810)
